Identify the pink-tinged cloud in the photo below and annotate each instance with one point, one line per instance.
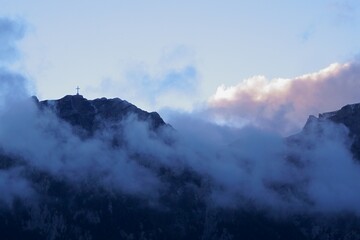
(283, 105)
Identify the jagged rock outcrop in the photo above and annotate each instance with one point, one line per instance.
(348, 116)
(91, 114)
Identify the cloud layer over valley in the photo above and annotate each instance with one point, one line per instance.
(238, 168)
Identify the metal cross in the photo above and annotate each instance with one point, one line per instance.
(77, 90)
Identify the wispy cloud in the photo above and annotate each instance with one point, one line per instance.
(10, 32)
(345, 11)
(182, 80)
(170, 83)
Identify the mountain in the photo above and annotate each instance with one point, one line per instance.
(84, 198)
(89, 115)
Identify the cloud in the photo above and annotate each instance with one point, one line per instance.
(10, 32)
(345, 11)
(171, 82)
(48, 144)
(12, 86)
(282, 105)
(252, 167)
(14, 186)
(328, 169)
(308, 33)
(182, 81)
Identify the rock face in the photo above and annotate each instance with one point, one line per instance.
(348, 116)
(91, 114)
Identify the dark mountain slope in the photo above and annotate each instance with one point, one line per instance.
(349, 116)
(91, 114)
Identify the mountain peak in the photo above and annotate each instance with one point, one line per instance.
(90, 115)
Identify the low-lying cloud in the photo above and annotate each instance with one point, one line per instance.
(241, 167)
(282, 105)
(43, 141)
(250, 166)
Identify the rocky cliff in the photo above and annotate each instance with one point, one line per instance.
(90, 115)
(348, 117)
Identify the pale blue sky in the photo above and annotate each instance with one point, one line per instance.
(176, 53)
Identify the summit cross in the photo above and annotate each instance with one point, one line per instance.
(77, 90)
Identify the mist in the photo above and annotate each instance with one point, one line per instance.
(242, 167)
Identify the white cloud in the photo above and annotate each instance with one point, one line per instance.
(283, 105)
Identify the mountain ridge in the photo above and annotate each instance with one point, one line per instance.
(347, 116)
(87, 193)
(89, 114)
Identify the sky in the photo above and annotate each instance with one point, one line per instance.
(188, 55)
